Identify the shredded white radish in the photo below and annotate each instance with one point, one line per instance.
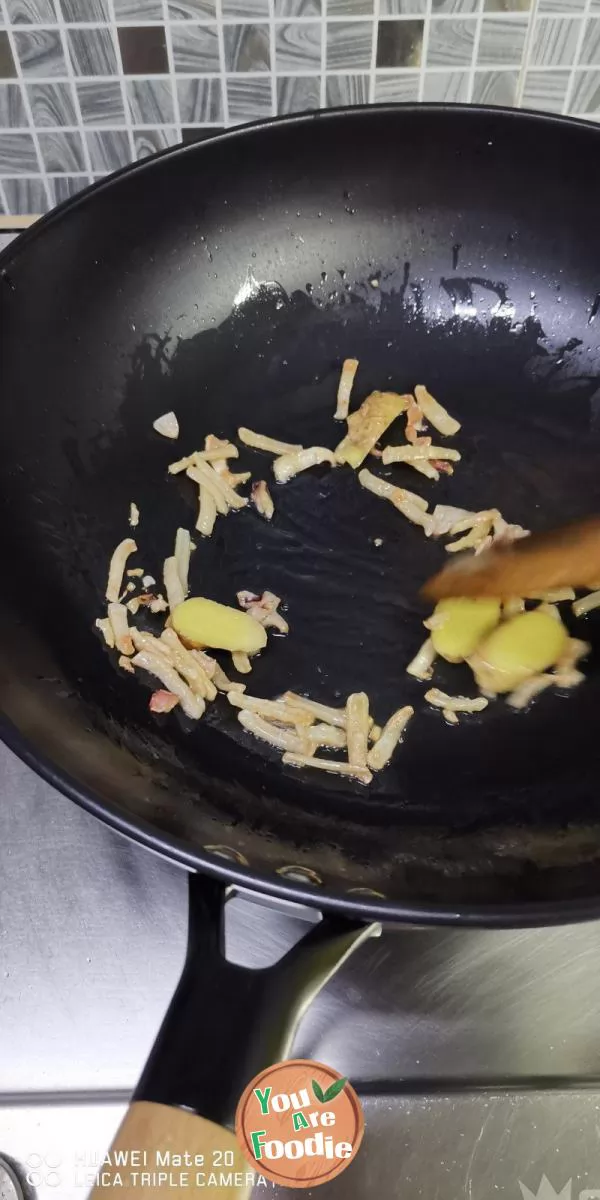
(259, 441)
(136, 572)
(435, 413)
(262, 499)
(148, 581)
(361, 774)
(445, 517)
(241, 662)
(573, 652)
(204, 473)
(117, 615)
(503, 532)
(349, 369)
(413, 507)
(117, 567)
(283, 739)
(288, 465)
(209, 665)
(156, 664)
(326, 735)
(316, 711)
(421, 666)
(586, 604)
(172, 582)
(357, 728)
(218, 449)
(375, 733)
(450, 716)
(106, 629)
(147, 641)
(167, 425)
(455, 703)
(512, 607)
(134, 515)
(477, 534)
(183, 549)
(207, 512)
(273, 710)
(394, 454)
(159, 604)
(526, 691)
(126, 664)
(414, 423)
(379, 754)
(188, 665)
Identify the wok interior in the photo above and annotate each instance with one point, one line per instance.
(228, 283)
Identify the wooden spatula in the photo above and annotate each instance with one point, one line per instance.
(565, 557)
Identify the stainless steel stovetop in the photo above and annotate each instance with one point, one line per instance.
(477, 1053)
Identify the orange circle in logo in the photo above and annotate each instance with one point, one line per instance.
(300, 1123)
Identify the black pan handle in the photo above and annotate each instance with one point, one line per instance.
(224, 1025)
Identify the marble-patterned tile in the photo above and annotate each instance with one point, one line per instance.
(108, 150)
(249, 99)
(40, 53)
(143, 49)
(446, 87)
(12, 108)
(298, 93)
(52, 104)
(495, 87)
(7, 62)
(590, 51)
(31, 12)
(151, 141)
(502, 40)
(64, 187)
(92, 51)
(554, 41)
(62, 151)
(585, 97)
(192, 10)
(454, 6)
(349, 45)
(299, 8)
(507, 5)
(101, 103)
(200, 101)
(545, 90)
(195, 49)
(401, 8)
(401, 86)
(139, 10)
(342, 91)
(246, 47)
(85, 12)
(150, 101)
(26, 195)
(451, 42)
(298, 46)
(399, 43)
(245, 10)
(350, 8)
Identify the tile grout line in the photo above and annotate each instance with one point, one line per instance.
(223, 72)
(424, 50)
(373, 70)
(3, 197)
(274, 101)
(27, 106)
(476, 44)
(87, 154)
(172, 72)
(323, 58)
(121, 74)
(533, 15)
(587, 9)
(210, 22)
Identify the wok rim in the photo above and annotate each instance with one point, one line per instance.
(177, 850)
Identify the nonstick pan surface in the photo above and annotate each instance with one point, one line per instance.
(227, 281)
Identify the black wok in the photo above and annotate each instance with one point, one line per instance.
(227, 281)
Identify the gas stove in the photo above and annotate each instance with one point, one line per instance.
(476, 1053)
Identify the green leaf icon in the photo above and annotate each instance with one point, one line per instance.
(318, 1090)
(335, 1089)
